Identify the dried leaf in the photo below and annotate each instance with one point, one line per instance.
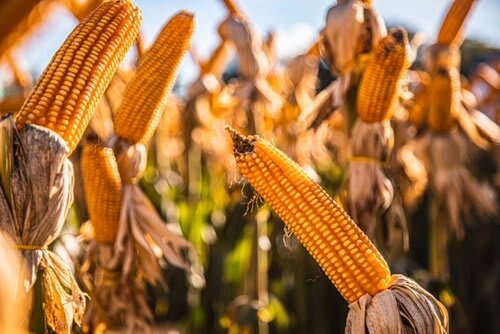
(403, 308)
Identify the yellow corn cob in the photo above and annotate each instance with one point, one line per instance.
(451, 28)
(102, 188)
(217, 61)
(378, 92)
(146, 94)
(69, 89)
(343, 251)
(444, 100)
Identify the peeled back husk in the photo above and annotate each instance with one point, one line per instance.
(403, 308)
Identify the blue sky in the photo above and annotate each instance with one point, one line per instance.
(296, 23)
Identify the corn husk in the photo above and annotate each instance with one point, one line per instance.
(351, 29)
(33, 208)
(258, 101)
(15, 304)
(301, 77)
(438, 56)
(457, 193)
(403, 308)
(143, 246)
(368, 190)
(252, 61)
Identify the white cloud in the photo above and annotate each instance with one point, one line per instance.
(294, 39)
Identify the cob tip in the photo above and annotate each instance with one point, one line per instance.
(242, 144)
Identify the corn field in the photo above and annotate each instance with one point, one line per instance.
(350, 188)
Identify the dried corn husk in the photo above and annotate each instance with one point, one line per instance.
(403, 308)
(260, 103)
(352, 28)
(438, 56)
(300, 80)
(143, 246)
(456, 192)
(33, 209)
(252, 61)
(368, 190)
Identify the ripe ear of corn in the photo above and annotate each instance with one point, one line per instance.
(102, 187)
(69, 89)
(443, 100)
(451, 29)
(382, 78)
(145, 96)
(343, 251)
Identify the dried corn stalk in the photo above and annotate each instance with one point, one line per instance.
(457, 196)
(368, 189)
(37, 181)
(33, 208)
(378, 301)
(117, 300)
(131, 242)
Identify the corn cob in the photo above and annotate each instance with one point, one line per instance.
(343, 251)
(383, 76)
(146, 94)
(102, 188)
(451, 28)
(69, 89)
(444, 100)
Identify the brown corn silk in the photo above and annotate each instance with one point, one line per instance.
(145, 96)
(351, 261)
(378, 92)
(379, 302)
(70, 87)
(103, 187)
(451, 30)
